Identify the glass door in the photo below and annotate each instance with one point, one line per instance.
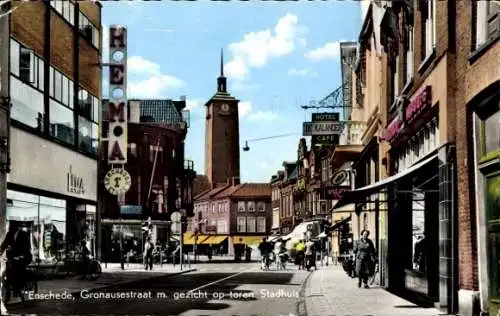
(493, 226)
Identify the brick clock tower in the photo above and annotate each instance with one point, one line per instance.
(222, 135)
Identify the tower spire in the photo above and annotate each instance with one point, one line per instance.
(222, 62)
(222, 81)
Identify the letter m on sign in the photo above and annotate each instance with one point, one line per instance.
(117, 112)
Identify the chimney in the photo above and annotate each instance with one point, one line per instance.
(135, 111)
(235, 181)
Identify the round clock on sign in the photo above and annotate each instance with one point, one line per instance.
(117, 181)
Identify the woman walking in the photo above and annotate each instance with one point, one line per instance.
(365, 256)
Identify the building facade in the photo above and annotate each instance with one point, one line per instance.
(231, 216)
(276, 182)
(477, 102)
(161, 179)
(55, 91)
(287, 218)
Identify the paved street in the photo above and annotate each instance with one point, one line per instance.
(216, 289)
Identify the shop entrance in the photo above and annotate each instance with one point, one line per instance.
(492, 203)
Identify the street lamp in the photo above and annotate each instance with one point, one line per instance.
(247, 148)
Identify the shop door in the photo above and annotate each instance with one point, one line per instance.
(493, 225)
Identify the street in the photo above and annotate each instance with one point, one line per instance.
(216, 289)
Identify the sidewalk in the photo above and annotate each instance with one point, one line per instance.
(329, 291)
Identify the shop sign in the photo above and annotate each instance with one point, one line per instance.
(131, 209)
(335, 192)
(117, 150)
(393, 129)
(117, 181)
(326, 128)
(74, 183)
(422, 101)
(339, 177)
(325, 117)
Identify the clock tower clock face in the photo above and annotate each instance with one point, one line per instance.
(224, 107)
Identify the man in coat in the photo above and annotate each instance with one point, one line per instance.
(365, 255)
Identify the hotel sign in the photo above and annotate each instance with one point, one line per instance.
(421, 102)
(117, 148)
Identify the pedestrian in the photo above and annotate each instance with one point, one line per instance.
(266, 250)
(85, 260)
(364, 251)
(310, 254)
(148, 254)
(176, 251)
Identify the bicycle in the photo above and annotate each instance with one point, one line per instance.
(74, 266)
(29, 282)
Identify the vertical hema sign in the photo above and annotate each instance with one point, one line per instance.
(117, 148)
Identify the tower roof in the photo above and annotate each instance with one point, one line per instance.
(222, 93)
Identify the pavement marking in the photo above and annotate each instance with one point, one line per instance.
(217, 281)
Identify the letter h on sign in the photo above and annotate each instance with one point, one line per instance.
(117, 148)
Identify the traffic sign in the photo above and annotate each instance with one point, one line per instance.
(176, 217)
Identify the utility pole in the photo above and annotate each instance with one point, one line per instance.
(4, 125)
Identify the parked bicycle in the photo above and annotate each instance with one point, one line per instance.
(73, 265)
(15, 285)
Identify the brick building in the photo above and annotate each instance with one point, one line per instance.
(161, 178)
(477, 104)
(55, 92)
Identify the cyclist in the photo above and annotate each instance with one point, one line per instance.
(300, 254)
(265, 249)
(17, 246)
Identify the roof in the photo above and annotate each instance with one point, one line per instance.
(244, 190)
(210, 193)
(200, 185)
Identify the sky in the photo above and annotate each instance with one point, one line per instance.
(277, 56)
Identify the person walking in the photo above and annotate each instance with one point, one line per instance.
(265, 249)
(364, 251)
(148, 254)
(310, 254)
(176, 251)
(300, 248)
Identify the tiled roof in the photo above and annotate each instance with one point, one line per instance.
(210, 193)
(252, 190)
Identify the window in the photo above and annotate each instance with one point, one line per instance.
(409, 54)
(241, 207)
(58, 86)
(221, 207)
(251, 224)
(261, 224)
(88, 123)
(222, 227)
(27, 65)
(27, 104)
(487, 21)
(241, 224)
(132, 149)
(251, 206)
(213, 208)
(261, 206)
(428, 11)
(396, 78)
(62, 123)
(89, 31)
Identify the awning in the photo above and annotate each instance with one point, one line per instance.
(247, 240)
(189, 239)
(343, 153)
(338, 224)
(214, 240)
(360, 194)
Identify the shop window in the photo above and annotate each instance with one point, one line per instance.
(241, 224)
(46, 219)
(418, 222)
(261, 224)
(62, 123)
(251, 225)
(492, 203)
(27, 104)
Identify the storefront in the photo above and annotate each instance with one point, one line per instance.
(54, 192)
(486, 106)
(420, 197)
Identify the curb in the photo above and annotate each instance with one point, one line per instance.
(301, 304)
(76, 294)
